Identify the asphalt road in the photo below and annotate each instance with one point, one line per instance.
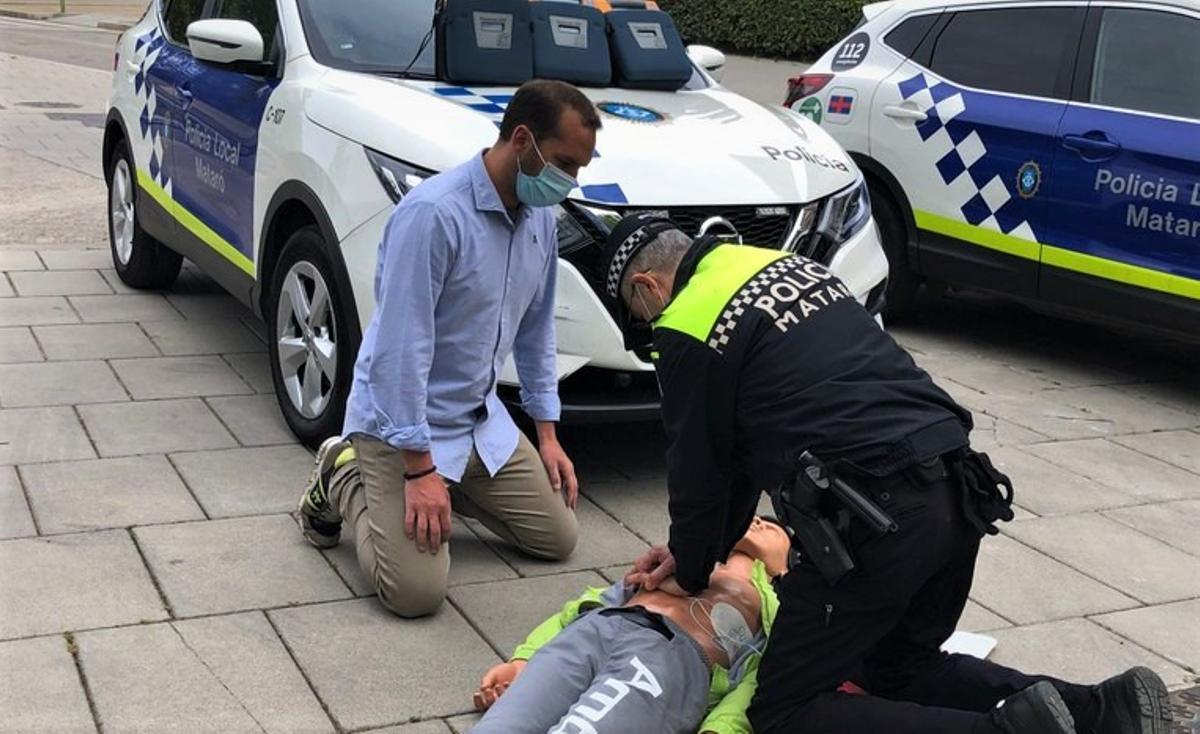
(88, 47)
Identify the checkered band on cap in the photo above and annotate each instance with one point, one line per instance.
(620, 258)
(723, 330)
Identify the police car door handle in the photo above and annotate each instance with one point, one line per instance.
(1092, 146)
(903, 112)
(185, 94)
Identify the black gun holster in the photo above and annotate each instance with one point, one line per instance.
(816, 506)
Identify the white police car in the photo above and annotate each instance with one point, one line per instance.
(269, 141)
(1047, 150)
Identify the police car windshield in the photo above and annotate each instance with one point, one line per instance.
(380, 36)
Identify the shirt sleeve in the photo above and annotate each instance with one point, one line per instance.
(535, 350)
(729, 716)
(417, 253)
(698, 400)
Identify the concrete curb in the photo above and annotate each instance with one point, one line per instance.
(108, 25)
(114, 25)
(5, 12)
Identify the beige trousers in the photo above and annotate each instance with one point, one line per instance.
(518, 504)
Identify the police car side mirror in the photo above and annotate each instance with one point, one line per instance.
(709, 59)
(223, 41)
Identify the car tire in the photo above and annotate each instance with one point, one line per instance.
(313, 344)
(140, 260)
(903, 283)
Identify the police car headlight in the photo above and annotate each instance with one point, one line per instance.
(846, 213)
(581, 225)
(397, 177)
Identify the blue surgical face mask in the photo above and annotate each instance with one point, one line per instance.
(548, 188)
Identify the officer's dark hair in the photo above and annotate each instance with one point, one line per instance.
(540, 104)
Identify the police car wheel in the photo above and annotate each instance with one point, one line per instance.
(140, 260)
(311, 344)
(903, 283)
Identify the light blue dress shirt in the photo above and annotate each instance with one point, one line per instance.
(459, 286)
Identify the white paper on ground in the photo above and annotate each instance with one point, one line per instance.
(970, 643)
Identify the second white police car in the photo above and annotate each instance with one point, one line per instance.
(269, 140)
(1047, 150)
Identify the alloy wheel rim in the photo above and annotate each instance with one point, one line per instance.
(120, 205)
(306, 340)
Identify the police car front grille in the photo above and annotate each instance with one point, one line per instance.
(755, 226)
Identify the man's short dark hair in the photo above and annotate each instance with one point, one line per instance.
(539, 105)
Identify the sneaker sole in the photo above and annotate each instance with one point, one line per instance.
(1063, 720)
(1153, 706)
(315, 538)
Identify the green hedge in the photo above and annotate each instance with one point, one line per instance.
(796, 29)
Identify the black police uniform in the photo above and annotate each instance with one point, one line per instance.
(760, 355)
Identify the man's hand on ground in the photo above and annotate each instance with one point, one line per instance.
(652, 568)
(495, 682)
(427, 512)
(558, 465)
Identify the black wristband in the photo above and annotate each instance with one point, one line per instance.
(417, 475)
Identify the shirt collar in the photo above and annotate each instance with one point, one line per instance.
(486, 197)
(691, 260)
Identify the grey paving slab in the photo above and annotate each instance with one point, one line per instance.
(58, 383)
(1137, 564)
(77, 259)
(1077, 650)
(1179, 394)
(602, 542)
(1170, 630)
(20, 260)
(1181, 448)
(255, 420)
(505, 612)
(228, 673)
(976, 618)
(1014, 581)
(35, 311)
(462, 724)
(1051, 418)
(17, 345)
(114, 281)
(6, 289)
(107, 493)
(81, 581)
(60, 283)
(124, 308)
(984, 375)
(432, 726)
(41, 691)
(254, 369)
(252, 481)
(612, 574)
(1128, 413)
(208, 305)
(233, 565)
(1049, 489)
(640, 505)
(30, 435)
(373, 669)
(991, 433)
(1174, 523)
(471, 560)
(179, 377)
(15, 520)
(94, 341)
(1141, 476)
(156, 427)
(208, 336)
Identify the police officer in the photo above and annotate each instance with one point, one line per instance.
(761, 355)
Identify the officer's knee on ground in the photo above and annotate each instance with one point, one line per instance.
(411, 600)
(556, 543)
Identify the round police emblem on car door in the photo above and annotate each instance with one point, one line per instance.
(631, 112)
(1029, 179)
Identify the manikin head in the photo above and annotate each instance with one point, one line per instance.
(767, 541)
(548, 133)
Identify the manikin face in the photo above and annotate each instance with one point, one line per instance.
(767, 542)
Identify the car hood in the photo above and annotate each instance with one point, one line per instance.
(694, 148)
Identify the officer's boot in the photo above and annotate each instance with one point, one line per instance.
(1036, 710)
(1134, 702)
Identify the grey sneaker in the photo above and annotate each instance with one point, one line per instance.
(319, 519)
